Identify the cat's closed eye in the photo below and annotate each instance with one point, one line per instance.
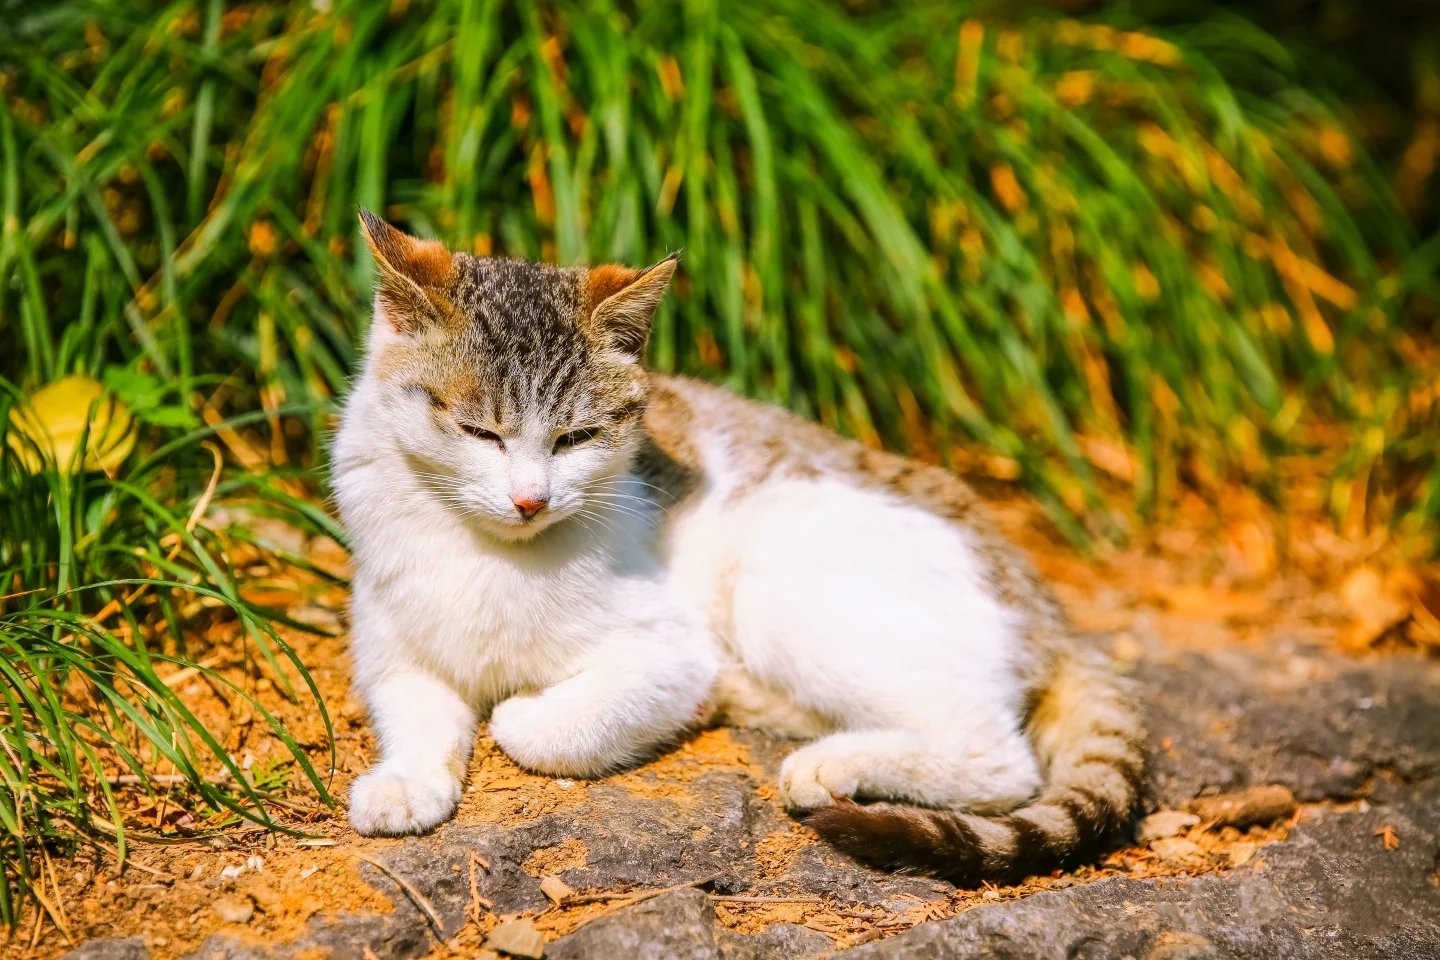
(575, 438)
(480, 433)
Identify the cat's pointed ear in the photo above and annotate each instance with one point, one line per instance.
(414, 274)
(623, 303)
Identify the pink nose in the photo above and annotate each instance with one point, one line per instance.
(529, 506)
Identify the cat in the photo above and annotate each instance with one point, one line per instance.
(599, 559)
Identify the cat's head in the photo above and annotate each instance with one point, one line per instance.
(514, 389)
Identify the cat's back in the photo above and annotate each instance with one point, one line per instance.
(736, 473)
(704, 442)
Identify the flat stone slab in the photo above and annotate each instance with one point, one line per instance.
(1330, 890)
(1358, 739)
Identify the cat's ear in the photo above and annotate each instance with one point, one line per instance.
(623, 303)
(414, 274)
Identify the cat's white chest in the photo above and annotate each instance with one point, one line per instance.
(491, 620)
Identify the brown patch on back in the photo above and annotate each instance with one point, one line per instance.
(1097, 767)
(607, 280)
(667, 457)
(1009, 573)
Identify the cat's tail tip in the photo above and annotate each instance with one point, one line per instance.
(970, 849)
(896, 837)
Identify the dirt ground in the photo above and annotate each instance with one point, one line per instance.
(1199, 585)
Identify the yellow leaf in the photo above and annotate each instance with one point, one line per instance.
(263, 241)
(47, 426)
(1007, 187)
(671, 81)
(967, 60)
(1075, 87)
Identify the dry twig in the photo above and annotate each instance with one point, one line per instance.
(627, 899)
(415, 896)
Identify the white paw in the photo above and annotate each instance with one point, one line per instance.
(387, 804)
(530, 733)
(811, 778)
(522, 729)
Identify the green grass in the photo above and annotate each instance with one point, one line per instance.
(1105, 258)
(106, 579)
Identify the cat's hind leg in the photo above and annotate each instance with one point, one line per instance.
(985, 771)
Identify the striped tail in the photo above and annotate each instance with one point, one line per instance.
(1088, 734)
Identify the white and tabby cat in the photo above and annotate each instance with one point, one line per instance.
(598, 558)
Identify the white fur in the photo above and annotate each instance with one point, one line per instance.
(827, 607)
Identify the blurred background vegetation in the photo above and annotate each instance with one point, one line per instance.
(1113, 251)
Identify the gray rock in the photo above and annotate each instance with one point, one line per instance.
(675, 926)
(121, 948)
(221, 947)
(396, 936)
(1331, 890)
(1322, 725)
(787, 940)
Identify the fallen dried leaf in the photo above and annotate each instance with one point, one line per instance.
(1241, 852)
(1246, 807)
(1389, 837)
(1165, 823)
(1177, 849)
(1193, 600)
(1377, 603)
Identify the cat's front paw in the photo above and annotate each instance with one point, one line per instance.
(383, 803)
(530, 733)
(813, 777)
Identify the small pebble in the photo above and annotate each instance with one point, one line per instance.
(555, 888)
(518, 938)
(234, 909)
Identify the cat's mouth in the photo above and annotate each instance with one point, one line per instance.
(518, 528)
